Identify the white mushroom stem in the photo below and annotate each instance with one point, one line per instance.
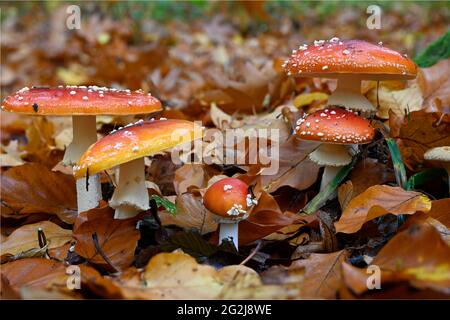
(89, 192)
(348, 94)
(229, 231)
(333, 157)
(131, 195)
(328, 174)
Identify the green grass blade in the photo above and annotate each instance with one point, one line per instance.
(397, 161)
(319, 200)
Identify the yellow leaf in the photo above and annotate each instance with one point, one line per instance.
(305, 99)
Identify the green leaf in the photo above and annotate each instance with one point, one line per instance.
(437, 50)
(397, 161)
(169, 206)
(319, 200)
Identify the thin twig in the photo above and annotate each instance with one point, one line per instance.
(252, 254)
(101, 253)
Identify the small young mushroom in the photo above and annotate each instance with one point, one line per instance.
(127, 147)
(83, 104)
(441, 155)
(336, 129)
(350, 62)
(229, 200)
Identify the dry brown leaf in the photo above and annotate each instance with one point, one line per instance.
(117, 238)
(323, 275)
(26, 238)
(177, 275)
(434, 83)
(417, 254)
(377, 201)
(365, 174)
(440, 210)
(398, 101)
(191, 214)
(419, 132)
(32, 188)
(52, 276)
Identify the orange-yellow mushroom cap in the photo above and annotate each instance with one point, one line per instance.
(141, 139)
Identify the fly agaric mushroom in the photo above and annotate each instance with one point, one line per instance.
(350, 62)
(441, 155)
(83, 104)
(337, 130)
(229, 201)
(127, 147)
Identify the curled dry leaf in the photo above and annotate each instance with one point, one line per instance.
(323, 274)
(417, 255)
(177, 275)
(419, 132)
(377, 201)
(117, 238)
(366, 173)
(265, 219)
(32, 188)
(26, 238)
(53, 276)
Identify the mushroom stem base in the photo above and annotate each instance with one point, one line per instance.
(131, 195)
(88, 198)
(227, 231)
(348, 94)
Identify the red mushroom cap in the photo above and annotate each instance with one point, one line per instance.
(227, 198)
(81, 100)
(336, 126)
(332, 58)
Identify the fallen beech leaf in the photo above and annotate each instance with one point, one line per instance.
(440, 210)
(265, 219)
(435, 84)
(34, 273)
(25, 237)
(305, 99)
(323, 275)
(417, 254)
(365, 174)
(419, 132)
(116, 238)
(377, 201)
(45, 274)
(41, 145)
(177, 275)
(398, 101)
(32, 188)
(191, 214)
